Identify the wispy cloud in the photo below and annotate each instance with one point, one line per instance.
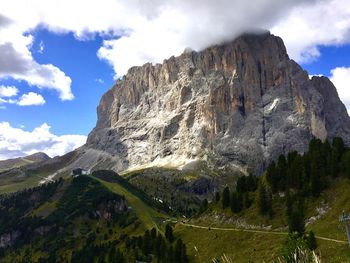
(98, 80)
(41, 47)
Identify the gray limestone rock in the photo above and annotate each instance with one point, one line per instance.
(241, 104)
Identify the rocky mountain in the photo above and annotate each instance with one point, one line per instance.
(241, 103)
(22, 161)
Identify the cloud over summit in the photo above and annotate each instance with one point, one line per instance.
(152, 30)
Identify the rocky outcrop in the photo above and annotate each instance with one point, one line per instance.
(8, 239)
(110, 208)
(241, 103)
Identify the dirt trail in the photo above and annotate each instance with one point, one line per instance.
(257, 231)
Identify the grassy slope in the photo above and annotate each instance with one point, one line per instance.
(241, 246)
(10, 185)
(31, 174)
(150, 217)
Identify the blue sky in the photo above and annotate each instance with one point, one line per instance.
(90, 76)
(57, 58)
(331, 57)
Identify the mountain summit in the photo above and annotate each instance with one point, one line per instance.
(241, 103)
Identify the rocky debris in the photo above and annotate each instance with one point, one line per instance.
(112, 207)
(8, 239)
(200, 186)
(320, 212)
(241, 103)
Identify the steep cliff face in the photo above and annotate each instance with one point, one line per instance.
(241, 103)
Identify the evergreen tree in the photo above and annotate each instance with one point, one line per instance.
(247, 201)
(217, 197)
(146, 245)
(337, 152)
(180, 252)
(289, 204)
(203, 206)
(169, 233)
(315, 184)
(236, 202)
(345, 164)
(251, 183)
(272, 177)
(226, 197)
(296, 220)
(281, 172)
(311, 241)
(153, 233)
(241, 184)
(264, 200)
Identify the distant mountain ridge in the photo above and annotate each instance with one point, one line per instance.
(22, 161)
(240, 104)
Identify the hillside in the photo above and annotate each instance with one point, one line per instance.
(63, 220)
(205, 236)
(22, 161)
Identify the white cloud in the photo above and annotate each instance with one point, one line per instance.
(166, 28)
(16, 142)
(152, 30)
(16, 61)
(31, 98)
(8, 91)
(341, 79)
(309, 26)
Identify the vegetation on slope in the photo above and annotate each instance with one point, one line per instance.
(104, 217)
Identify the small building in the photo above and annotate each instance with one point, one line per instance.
(78, 172)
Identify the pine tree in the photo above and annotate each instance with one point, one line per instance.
(282, 171)
(236, 202)
(178, 249)
(311, 241)
(204, 206)
(241, 184)
(345, 164)
(153, 233)
(336, 154)
(146, 246)
(272, 177)
(226, 197)
(315, 184)
(247, 201)
(217, 197)
(251, 183)
(264, 200)
(169, 233)
(296, 220)
(289, 204)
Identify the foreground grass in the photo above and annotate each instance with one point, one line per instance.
(204, 245)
